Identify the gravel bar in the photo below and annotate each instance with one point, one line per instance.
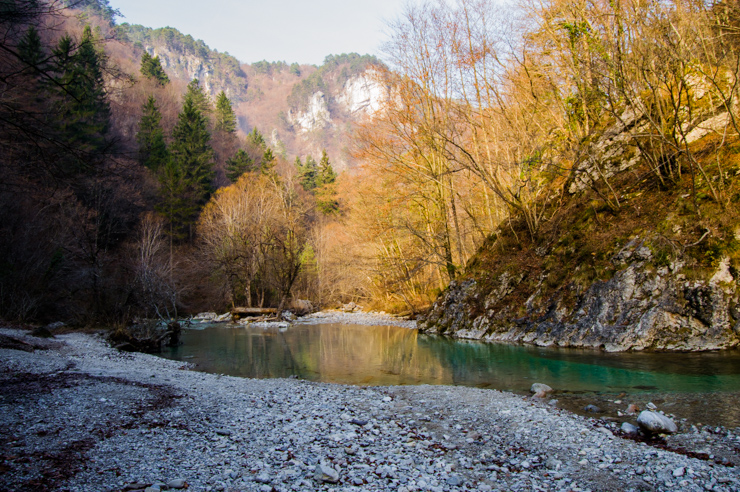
(77, 415)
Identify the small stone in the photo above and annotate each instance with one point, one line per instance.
(553, 463)
(223, 432)
(152, 489)
(540, 388)
(629, 429)
(326, 473)
(454, 481)
(177, 483)
(136, 486)
(387, 399)
(262, 478)
(591, 409)
(640, 470)
(679, 472)
(358, 422)
(484, 487)
(656, 423)
(651, 406)
(632, 409)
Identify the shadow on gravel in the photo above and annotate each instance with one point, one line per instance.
(45, 434)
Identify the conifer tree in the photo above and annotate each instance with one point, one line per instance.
(153, 152)
(256, 139)
(192, 160)
(268, 161)
(326, 174)
(82, 110)
(151, 68)
(198, 98)
(176, 202)
(325, 190)
(225, 117)
(239, 164)
(29, 48)
(307, 174)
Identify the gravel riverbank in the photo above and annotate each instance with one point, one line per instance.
(77, 415)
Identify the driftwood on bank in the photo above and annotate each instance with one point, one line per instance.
(240, 312)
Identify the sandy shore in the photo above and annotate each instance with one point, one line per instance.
(78, 415)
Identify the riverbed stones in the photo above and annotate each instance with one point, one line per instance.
(656, 423)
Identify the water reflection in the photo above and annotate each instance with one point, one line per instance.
(385, 355)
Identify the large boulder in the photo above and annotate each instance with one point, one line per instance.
(656, 423)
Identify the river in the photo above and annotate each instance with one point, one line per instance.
(702, 387)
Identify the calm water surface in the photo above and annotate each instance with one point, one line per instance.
(386, 355)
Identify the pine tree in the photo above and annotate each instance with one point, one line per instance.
(198, 98)
(326, 174)
(176, 202)
(307, 174)
(153, 152)
(82, 110)
(151, 68)
(325, 191)
(225, 117)
(268, 161)
(29, 48)
(256, 139)
(239, 164)
(192, 158)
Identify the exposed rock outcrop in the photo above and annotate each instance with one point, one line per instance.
(316, 116)
(363, 95)
(639, 308)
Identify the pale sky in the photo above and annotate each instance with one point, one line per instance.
(302, 31)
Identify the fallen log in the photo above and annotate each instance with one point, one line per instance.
(239, 312)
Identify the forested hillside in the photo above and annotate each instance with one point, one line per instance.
(117, 172)
(567, 169)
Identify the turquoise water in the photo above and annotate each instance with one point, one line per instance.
(385, 355)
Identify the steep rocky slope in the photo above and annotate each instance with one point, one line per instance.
(651, 273)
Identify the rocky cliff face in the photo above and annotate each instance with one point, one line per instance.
(360, 97)
(363, 95)
(316, 116)
(639, 308)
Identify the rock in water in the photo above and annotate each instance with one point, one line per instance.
(656, 423)
(325, 473)
(540, 390)
(591, 409)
